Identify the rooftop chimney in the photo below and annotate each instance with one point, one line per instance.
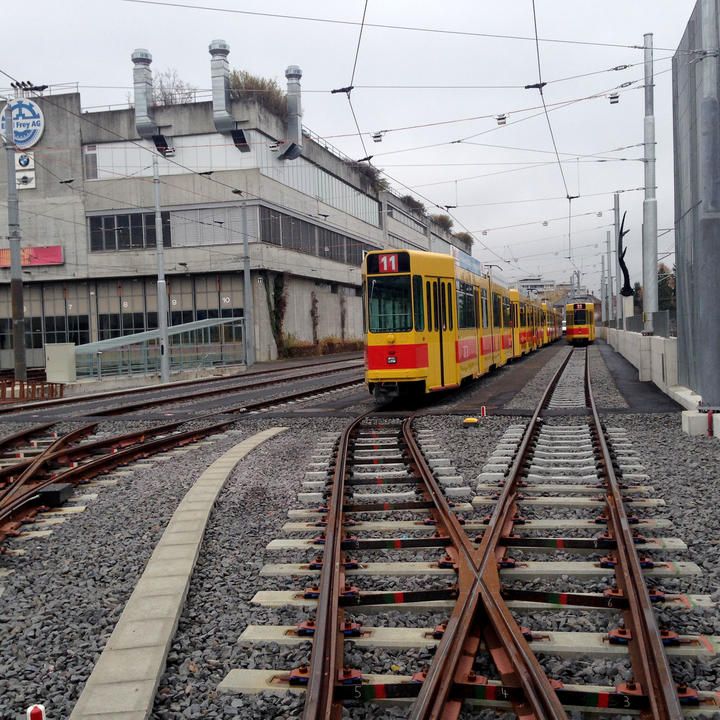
(294, 114)
(142, 80)
(220, 73)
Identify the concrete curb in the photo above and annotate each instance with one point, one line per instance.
(123, 683)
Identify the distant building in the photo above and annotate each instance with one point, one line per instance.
(228, 169)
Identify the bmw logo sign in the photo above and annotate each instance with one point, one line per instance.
(23, 160)
(28, 123)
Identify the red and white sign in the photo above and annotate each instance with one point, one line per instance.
(388, 263)
(29, 256)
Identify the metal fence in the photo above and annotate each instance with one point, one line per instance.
(203, 343)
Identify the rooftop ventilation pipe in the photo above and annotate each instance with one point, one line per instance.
(142, 80)
(220, 73)
(294, 114)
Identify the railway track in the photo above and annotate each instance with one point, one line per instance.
(38, 468)
(96, 405)
(383, 478)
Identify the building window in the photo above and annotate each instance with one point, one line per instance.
(90, 162)
(133, 231)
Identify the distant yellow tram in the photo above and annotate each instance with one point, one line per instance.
(433, 321)
(580, 323)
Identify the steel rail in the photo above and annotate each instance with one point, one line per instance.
(327, 651)
(95, 397)
(647, 652)
(483, 604)
(57, 450)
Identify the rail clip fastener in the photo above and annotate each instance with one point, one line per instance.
(350, 591)
(687, 695)
(519, 519)
(527, 633)
(351, 564)
(609, 561)
(419, 677)
(601, 519)
(319, 539)
(486, 519)
(669, 638)
(429, 521)
(630, 688)
(507, 563)
(348, 676)
(439, 631)
(619, 636)
(351, 629)
(306, 628)
(646, 563)
(299, 676)
(311, 593)
(656, 594)
(447, 562)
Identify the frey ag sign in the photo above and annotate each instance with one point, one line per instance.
(28, 123)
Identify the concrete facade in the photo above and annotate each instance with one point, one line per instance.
(308, 218)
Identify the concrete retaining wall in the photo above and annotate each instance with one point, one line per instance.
(655, 359)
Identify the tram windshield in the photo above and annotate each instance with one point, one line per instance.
(580, 317)
(389, 304)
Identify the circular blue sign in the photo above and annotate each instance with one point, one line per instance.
(28, 123)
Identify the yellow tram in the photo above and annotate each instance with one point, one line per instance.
(580, 323)
(433, 321)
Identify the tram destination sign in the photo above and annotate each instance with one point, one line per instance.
(387, 263)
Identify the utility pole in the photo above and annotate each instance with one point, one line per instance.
(603, 304)
(16, 287)
(609, 286)
(618, 297)
(649, 228)
(162, 307)
(249, 325)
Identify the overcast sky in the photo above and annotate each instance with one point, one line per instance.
(89, 42)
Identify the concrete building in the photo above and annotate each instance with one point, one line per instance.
(696, 133)
(228, 168)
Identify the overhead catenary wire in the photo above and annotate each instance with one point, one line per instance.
(386, 26)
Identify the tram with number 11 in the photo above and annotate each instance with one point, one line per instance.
(433, 321)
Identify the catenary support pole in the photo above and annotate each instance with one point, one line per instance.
(649, 229)
(603, 303)
(162, 303)
(619, 320)
(249, 325)
(609, 286)
(16, 283)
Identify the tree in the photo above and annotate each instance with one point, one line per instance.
(170, 89)
(666, 287)
(464, 236)
(414, 204)
(638, 298)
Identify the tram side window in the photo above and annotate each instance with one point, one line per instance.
(497, 310)
(466, 302)
(507, 312)
(485, 314)
(418, 308)
(523, 316)
(436, 309)
(389, 304)
(443, 305)
(450, 306)
(569, 317)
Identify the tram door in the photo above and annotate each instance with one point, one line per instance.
(449, 332)
(440, 325)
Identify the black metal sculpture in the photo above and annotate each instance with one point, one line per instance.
(627, 290)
